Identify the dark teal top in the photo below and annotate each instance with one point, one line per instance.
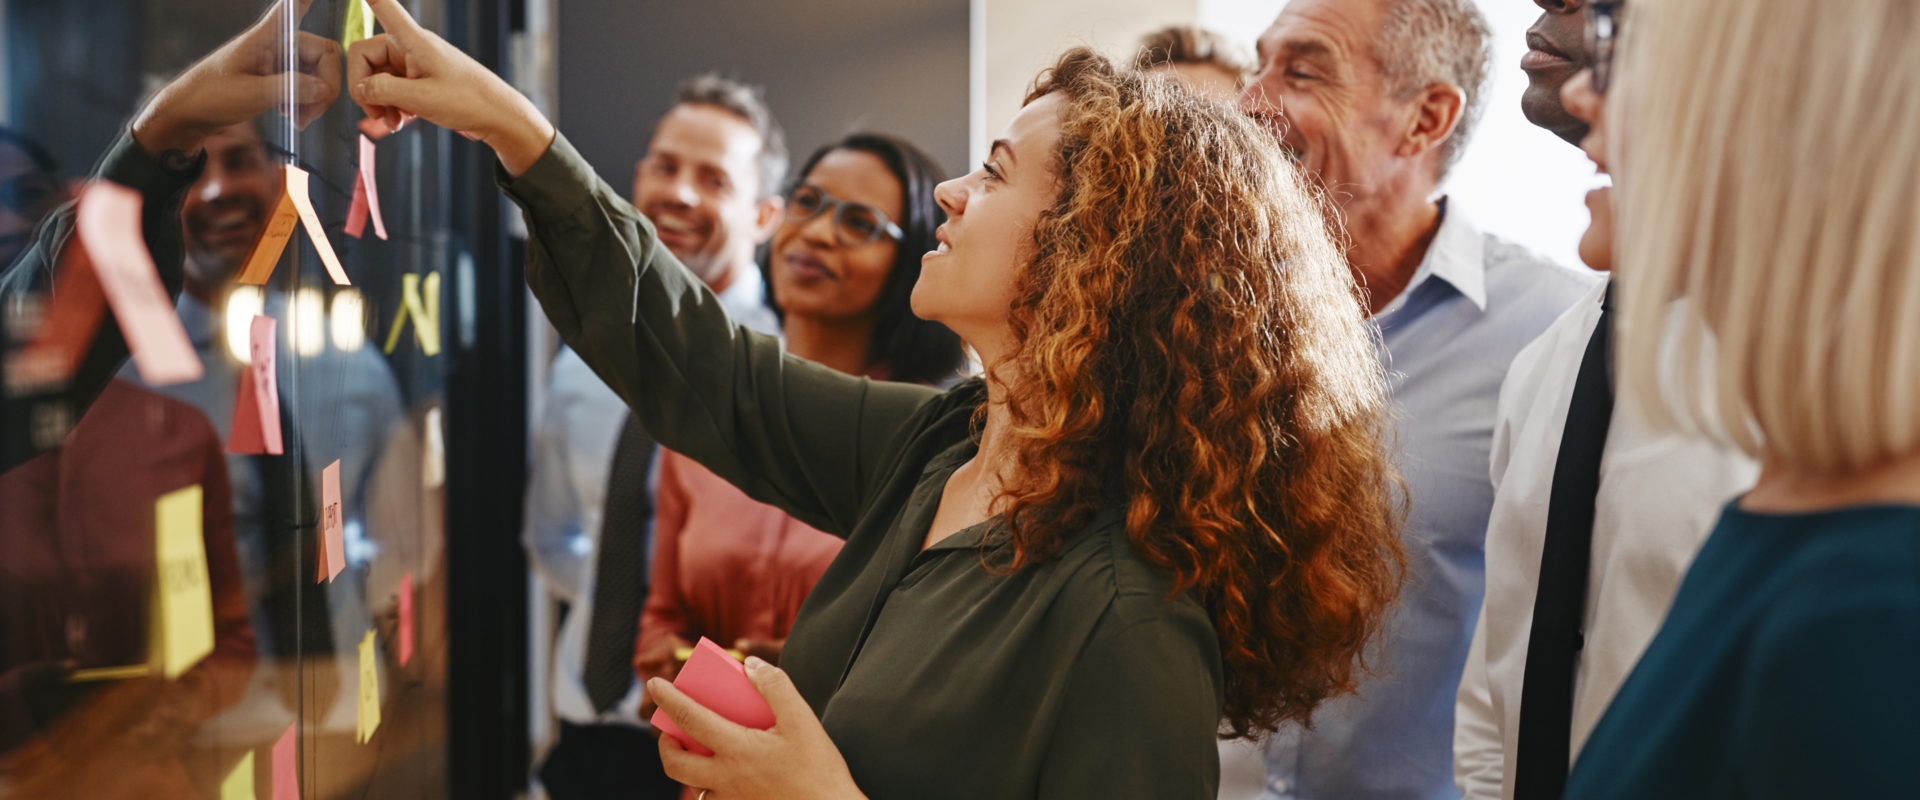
(1789, 667)
(1084, 676)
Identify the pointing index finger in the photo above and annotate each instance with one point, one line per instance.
(395, 19)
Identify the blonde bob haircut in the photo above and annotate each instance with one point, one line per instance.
(1768, 176)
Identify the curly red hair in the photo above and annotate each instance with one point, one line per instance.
(1190, 343)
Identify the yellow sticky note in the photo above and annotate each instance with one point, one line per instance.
(420, 300)
(359, 24)
(239, 782)
(184, 607)
(369, 717)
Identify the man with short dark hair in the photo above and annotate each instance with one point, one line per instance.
(1375, 99)
(710, 183)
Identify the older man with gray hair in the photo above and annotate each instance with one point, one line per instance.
(1375, 99)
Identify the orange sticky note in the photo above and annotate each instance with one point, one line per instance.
(73, 312)
(286, 780)
(294, 205)
(256, 410)
(406, 618)
(107, 220)
(333, 548)
(713, 679)
(366, 196)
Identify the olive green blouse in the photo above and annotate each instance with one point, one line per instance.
(1080, 677)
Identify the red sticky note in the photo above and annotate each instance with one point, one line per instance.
(406, 618)
(256, 411)
(366, 196)
(108, 222)
(286, 782)
(713, 679)
(333, 548)
(73, 313)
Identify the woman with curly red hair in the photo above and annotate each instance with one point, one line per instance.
(1166, 504)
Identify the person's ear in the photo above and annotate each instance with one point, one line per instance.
(1436, 112)
(767, 218)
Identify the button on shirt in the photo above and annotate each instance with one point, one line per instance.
(1659, 496)
(1447, 341)
(572, 451)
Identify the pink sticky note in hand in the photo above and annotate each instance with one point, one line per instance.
(107, 220)
(406, 618)
(715, 680)
(256, 411)
(286, 782)
(366, 196)
(333, 549)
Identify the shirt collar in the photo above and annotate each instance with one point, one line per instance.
(1456, 255)
(746, 290)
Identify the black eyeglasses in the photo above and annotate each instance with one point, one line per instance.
(1603, 28)
(854, 224)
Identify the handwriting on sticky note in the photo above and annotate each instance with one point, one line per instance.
(368, 719)
(108, 223)
(286, 778)
(420, 301)
(294, 206)
(239, 783)
(184, 612)
(366, 196)
(406, 618)
(332, 525)
(256, 406)
(713, 679)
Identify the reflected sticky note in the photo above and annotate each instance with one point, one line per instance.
(293, 207)
(332, 534)
(433, 461)
(256, 407)
(368, 719)
(107, 220)
(406, 618)
(65, 331)
(366, 196)
(239, 783)
(713, 679)
(420, 301)
(286, 779)
(184, 611)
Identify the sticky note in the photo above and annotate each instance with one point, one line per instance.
(433, 462)
(713, 679)
(256, 408)
(359, 24)
(333, 546)
(184, 610)
(366, 196)
(239, 782)
(406, 618)
(107, 221)
(375, 128)
(65, 329)
(286, 779)
(294, 206)
(369, 716)
(681, 654)
(419, 300)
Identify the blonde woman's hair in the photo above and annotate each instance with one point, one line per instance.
(1768, 169)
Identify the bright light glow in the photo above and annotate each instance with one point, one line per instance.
(243, 304)
(349, 321)
(307, 320)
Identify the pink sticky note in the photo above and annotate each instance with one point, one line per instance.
(366, 196)
(713, 679)
(333, 549)
(375, 127)
(286, 782)
(108, 222)
(256, 411)
(309, 219)
(406, 618)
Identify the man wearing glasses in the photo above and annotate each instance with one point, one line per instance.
(709, 182)
(1594, 519)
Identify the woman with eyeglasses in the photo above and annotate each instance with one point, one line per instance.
(1770, 296)
(1165, 508)
(843, 262)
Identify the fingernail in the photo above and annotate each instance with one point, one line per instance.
(360, 89)
(755, 663)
